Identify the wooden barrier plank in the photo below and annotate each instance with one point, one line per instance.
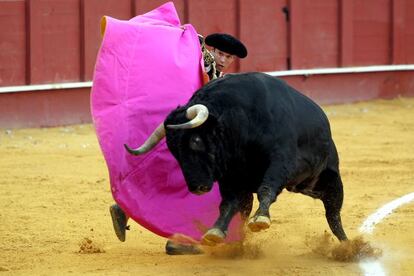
(346, 88)
(214, 17)
(263, 28)
(346, 33)
(144, 6)
(93, 11)
(372, 32)
(398, 29)
(54, 41)
(314, 33)
(296, 34)
(409, 31)
(12, 43)
(51, 108)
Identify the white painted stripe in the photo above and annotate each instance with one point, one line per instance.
(380, 214)
(49, 86)
(304, 72)
(374, 268)
(343, 70)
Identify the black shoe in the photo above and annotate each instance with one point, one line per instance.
(173, 248)
(119, 221)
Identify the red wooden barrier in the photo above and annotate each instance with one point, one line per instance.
(143, 6)
(372, 32)
(91, 14)
(344, 88)
(408, 33)
(266, 36)
(56, 41)
(215, 16)
(48, 41)
(12, 43)
(314, 33)
(44, 108)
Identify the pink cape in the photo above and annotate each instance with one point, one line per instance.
(145, 68)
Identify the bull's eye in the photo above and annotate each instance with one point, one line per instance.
(196, 143)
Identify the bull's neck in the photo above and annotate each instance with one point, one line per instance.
(228, 153)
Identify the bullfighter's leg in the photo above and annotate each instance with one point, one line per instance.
(332, 198)
(182, 245)
(119, 221)
(229, 206)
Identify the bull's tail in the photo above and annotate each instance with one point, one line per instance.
(332, 200)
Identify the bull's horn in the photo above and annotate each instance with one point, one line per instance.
(198, 114)
(151, 142)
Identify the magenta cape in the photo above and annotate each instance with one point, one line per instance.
(145, 68)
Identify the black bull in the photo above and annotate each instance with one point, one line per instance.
(253, 134)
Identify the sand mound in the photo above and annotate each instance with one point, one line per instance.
(88, 246)
(249, 248)
(348, 251)
(355, 250)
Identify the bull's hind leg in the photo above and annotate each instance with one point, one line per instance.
(332, 198)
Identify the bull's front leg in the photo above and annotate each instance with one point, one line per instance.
(229, 206)
(267, 192)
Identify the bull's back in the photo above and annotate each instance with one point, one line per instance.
(267, 98)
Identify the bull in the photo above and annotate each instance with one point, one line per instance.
(253, 133)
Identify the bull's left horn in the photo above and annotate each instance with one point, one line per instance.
(198, 114)
(150, 143)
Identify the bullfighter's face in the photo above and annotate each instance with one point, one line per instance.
(223, 59)
(195, 155)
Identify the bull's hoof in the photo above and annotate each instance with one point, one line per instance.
(259, 223)
(213, 237)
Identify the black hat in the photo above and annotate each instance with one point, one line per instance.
(227, 43)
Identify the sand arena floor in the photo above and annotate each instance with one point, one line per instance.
(54, 199)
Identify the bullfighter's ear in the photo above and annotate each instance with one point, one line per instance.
(103, 25)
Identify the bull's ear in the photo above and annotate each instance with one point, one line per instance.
(177, 116)
(212, 121)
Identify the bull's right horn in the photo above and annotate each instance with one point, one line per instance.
(197, 113)
(150, 143)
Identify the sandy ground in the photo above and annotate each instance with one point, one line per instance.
(54, 198)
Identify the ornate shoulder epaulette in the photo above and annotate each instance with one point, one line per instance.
(209, 62)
